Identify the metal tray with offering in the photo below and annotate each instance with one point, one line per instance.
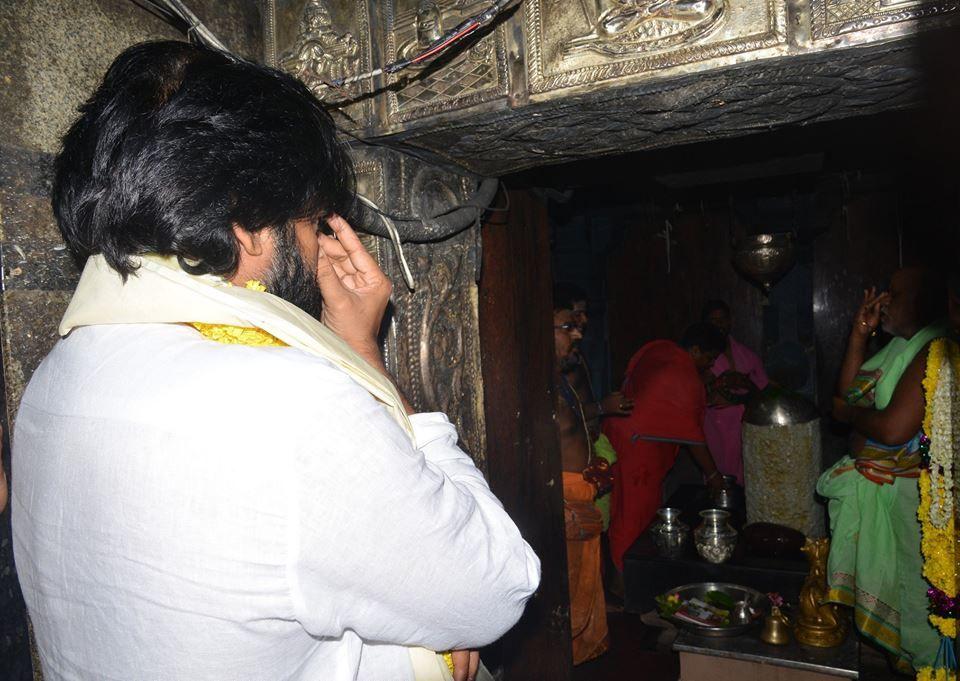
(713, 608)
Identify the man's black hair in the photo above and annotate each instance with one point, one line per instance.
(705, 336)
(712, 306)
(181, 142)
(565, 295)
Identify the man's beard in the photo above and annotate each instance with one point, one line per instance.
(570, 361)
(290, 278)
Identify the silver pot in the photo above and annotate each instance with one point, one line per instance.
(669, 533)
(714, 538)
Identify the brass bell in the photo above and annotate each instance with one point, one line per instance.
(776, 628)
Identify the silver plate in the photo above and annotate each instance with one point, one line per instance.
(758, 602)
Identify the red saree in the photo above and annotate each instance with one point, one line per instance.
(669, 405)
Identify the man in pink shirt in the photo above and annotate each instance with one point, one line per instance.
(736, 374)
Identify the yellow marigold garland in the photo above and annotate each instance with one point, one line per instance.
(931, 674)
(239, 335)
(937, 544)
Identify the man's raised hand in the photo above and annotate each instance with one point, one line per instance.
(355, 290)
(868, 316)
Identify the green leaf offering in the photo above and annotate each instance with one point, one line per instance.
(719, 599)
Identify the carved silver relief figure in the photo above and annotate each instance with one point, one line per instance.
(322, 54)
(625, 26)
(428, 24)
(474, 73)
(429, 27)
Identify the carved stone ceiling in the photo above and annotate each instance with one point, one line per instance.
(560, 80)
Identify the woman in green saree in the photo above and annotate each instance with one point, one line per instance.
(875, 561)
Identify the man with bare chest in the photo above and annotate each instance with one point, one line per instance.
(588, 617)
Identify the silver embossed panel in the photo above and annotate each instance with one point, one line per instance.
(581, 42)
(836, 17)
(465, 78)
(322, 40)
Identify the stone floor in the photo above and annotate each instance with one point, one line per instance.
(634, 654)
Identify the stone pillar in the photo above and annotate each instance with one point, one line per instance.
(431, 340)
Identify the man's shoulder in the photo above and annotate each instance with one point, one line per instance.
(159, 351)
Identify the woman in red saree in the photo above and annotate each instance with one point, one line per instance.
(663, 380)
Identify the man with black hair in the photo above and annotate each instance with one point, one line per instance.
(664, 381)
(582, 519)
(212, 483)
(573, 298)
(576, 375)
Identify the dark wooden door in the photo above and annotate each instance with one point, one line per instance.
(523, 451)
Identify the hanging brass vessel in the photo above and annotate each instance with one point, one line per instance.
(765, 258)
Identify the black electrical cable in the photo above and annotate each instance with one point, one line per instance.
(177, 15)
(437, 47)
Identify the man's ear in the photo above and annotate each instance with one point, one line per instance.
(250, 242)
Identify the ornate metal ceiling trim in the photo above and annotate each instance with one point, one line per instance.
(692, 48)
(837, 17)
(475, 76)
(269, 10)
(331, 38)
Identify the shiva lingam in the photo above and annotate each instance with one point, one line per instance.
(765, 258)
(818, 622)
(782, 460)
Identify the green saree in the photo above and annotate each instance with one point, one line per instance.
(875, 560)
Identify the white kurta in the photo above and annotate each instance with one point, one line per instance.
(189, 510)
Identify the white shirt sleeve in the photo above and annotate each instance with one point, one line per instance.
(399, 544)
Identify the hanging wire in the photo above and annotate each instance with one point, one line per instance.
(453, 36)
(195, 28)
(162, 13)
(395, 238)
(179, 15)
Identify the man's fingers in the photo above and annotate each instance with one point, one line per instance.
(474, 665)
(327, 278)
(358, 255)
(334, 250)
(461, 664)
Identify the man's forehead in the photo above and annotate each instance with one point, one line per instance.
(563, 315)
(905, 280)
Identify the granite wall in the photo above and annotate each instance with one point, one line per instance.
(53, 55)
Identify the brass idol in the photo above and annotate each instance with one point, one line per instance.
(818, 623)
